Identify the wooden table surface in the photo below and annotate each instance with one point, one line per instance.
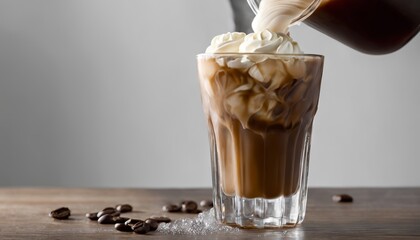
(376, 213)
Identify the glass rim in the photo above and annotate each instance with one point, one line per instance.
(243, 54)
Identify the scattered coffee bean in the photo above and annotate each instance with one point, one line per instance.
(160, 219)
(107, 219)
(130, 222)
(153, 224)
(206, 204)
(92, 216)
(342, 198)
(197, 211)
(123, 228)
(121, 219)
(141, 228)
(189, 206)
(60, 213)
(116, 214)
(171, 208)
(101, 213)
(110, 211)
(124, 208)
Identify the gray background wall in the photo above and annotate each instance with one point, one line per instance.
(105, 93)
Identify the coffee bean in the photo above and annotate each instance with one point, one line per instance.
(153, 224)
(121, 219)
(60, 213)
(160, 219)
(342, 198)
(141, 228)
(196, 211)
(116, 214)
(101, 213)
(92, 216)
(110, 211)
(122, 227)
(189, 206)
(124, 208)
(130, 222)
(171, 208)
(107, 219)
(206, 204)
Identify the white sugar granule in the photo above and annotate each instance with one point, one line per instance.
(205, 223)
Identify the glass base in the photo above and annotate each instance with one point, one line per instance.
(282, 212)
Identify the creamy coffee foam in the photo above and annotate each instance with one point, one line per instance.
(271, 27)
(228, 42)
(269, 42)
(261, 42)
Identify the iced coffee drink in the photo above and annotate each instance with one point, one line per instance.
(260, 116)
(260, 95)
(259, 108)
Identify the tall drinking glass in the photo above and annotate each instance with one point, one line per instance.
(260, 109)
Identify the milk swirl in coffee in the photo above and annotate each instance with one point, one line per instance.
(260, 97)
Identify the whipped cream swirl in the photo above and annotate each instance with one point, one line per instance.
(228, 42)
(277, 15)
(269, 42)
(261, 42)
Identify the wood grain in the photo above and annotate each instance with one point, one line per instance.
(376, 213)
